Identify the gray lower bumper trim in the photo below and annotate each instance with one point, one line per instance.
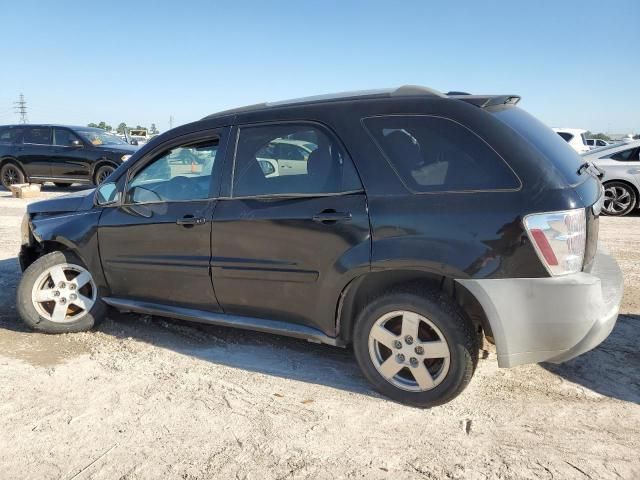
(551, 319)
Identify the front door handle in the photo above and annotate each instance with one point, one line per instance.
(329, 217)
(190, 221)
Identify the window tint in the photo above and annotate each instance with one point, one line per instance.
(436, 154)
(590, 142)
(38, 135)
(566, 136)
(182, 173)
(10, 135)
(625, 155)
(556, 150)
(64, 137)
(601, 143)
(290, 159)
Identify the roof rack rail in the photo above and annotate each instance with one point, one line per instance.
(411, 90)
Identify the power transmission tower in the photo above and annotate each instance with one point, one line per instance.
(20, 107)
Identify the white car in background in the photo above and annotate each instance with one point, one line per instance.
(596, 143)
(574, 137)
(284, 156)
(621, 166)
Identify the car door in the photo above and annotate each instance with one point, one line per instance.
(34, 154)
(283, 247)
(155, 246)
(69, 156)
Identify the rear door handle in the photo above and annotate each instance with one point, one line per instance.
(190, 221)
(329, 217)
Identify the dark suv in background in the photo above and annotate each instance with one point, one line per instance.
(417, 223)
(59, 154)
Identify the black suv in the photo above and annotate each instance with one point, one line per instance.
(59, 154)
(409, 224)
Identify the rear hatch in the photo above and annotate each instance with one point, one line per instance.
(580, 175)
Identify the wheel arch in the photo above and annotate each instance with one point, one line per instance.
(100, 163)
(16, 162)
(363, 289)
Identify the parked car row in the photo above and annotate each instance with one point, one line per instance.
(60, 154)
(414, 223)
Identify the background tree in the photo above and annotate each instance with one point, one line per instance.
(601, 136)
(636, 137)
(93, 125)
(140, 127)
(153, 130)
(102, 125)
(121, 127)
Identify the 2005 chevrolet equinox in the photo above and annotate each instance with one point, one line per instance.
(409, 224)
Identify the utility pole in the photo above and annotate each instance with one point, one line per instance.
(20, 107)
(170, 122)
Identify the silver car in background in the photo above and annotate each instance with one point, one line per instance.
(621, 165)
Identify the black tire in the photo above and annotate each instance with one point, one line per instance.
(11, 174)
(36, 320)
(620, 199)
(62, 184)
(458, 332)
(102, 173)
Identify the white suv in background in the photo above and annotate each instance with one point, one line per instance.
(596, 143)
(574, 137)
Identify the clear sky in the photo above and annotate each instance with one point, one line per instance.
(575, 63)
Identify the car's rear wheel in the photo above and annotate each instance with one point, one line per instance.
(58, 294)
(416, 347)
(62, 184)
(102, 173)
(11, 174)
(619, 199)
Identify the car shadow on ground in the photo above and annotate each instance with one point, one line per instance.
(254, 351)
(612, 369)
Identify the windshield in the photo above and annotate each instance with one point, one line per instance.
(100, 137)
(545, 140)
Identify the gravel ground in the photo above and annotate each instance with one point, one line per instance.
(147, 398)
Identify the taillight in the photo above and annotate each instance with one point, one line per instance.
(559, 239)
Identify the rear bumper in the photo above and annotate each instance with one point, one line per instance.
(551, 319)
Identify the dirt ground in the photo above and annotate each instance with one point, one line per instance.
(147, 398)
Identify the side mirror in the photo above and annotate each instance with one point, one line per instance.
(107, 194)
(76, 143)
(134, 142)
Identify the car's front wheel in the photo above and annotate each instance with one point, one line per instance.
(416, 347)
(57, 294)
(619, 199)
(102, 173)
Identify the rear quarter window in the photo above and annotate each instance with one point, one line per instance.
(545, 140)
(435, 154)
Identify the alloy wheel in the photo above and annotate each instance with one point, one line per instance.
(617, 199)
(103, 174)
(64, 293)
(10, 175)
(409, 351)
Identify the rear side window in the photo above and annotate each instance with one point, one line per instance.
(545, 140)
(38, 136)
(629, 155)
(566, 136)
(432, 154)
(10, 135)
(291, 159)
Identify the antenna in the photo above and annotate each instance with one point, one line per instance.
(20, 107)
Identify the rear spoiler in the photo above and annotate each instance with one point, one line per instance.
(484, 101)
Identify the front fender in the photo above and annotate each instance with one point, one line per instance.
(77, 232)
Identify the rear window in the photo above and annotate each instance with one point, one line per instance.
(545, 140)
(435, 154)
